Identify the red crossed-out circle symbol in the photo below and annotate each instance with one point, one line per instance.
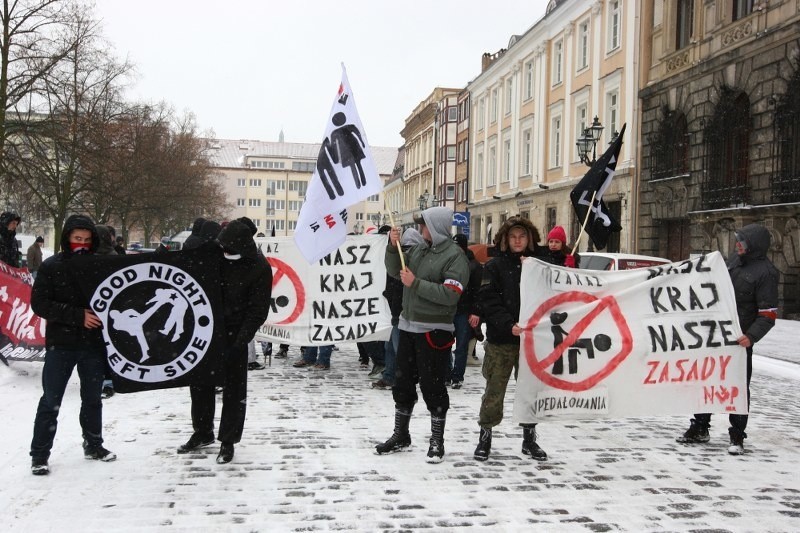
(539, 366)
(283, 269)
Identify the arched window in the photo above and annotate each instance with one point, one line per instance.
(786, 181)
(670, 146)
(727, 144)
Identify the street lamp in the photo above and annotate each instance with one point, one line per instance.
(423, 200)
(588, 142)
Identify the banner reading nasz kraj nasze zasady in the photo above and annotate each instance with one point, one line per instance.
(337, 299)
(651, 341)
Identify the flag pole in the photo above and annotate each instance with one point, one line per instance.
(399, 249)
(585, 221)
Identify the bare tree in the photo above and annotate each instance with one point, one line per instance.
(75, 99)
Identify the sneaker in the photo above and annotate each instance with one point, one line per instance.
(737, 442)
(376, 371)
(39, 466)
(255, 365)
(457, 384)
(196, 441)
(697, 433)
(98, 453)
(381, 384)
(218, 390)
(107, 393)
(302, 363)
(435, 452)
(225, 453)
(364, 365)
(396, 443)
(281, 354)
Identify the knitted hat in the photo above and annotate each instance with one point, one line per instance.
(557, 233)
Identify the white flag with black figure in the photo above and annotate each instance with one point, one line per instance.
(344, 175)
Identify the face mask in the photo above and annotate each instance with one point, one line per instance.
(232, 257)
(80, 248)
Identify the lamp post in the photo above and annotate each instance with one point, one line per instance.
(588, 142)
(423, 200)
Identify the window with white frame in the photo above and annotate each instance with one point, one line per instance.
(450, 191)
(298, 186)
(257, 222)
(295, 205)
(555, 142)
(255, 182)
(451, 153)
(583, 45)
(614, 21)
(292, 225)
(481, 113)
(506, 157)
(359, 216)
(529, 80)
(493, 109)
(241, 182)
(478, 168)
(276, 205)
(240, 202)
(254, 202)
(558, 60)
(581, 119)
(527, 152)
(491, 176)
(612, 112)
(373, 198)
(452, 114)
(509, 93)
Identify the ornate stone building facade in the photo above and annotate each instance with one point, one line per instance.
(721, 129)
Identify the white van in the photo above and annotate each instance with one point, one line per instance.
(614, 261)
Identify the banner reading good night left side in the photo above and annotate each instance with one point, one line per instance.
(161, 315)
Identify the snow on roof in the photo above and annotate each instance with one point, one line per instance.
(228, 153)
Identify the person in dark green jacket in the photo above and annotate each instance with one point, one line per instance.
(434, 278)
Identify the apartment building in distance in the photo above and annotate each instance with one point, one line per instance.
(531, 103)
(720, 95)
(267, 182)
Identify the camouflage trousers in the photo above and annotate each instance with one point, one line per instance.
(499, 361)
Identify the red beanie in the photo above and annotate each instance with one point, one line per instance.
(558, 233)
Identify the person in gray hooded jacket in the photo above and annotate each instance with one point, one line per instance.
(755, 284)
(434, 278)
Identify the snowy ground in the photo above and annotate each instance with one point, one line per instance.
(306, 463)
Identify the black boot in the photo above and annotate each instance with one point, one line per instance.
(484, 445)
(529, 446)
(436, 449)
(400, 439)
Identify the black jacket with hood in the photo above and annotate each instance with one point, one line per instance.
(9, 249)
(498, 297)
(246, 285)
(755, 282)
(57, 298)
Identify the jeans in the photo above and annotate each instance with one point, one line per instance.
(320, 355)
(58, 366)
(463, 334)
(390, 356)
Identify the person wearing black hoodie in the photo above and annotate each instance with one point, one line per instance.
(74, 338)
(755, 284)
(194, 240)
(9, 249)
(246, 290)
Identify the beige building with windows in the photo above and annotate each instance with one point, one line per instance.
(531, 103)
(267, 182)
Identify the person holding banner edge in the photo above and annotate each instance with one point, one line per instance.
(498, 305)
(755, 284)
(433, 278)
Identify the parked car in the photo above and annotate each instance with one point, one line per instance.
(617, 261)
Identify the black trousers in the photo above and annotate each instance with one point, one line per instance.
(234, 399)
(423, 358)
(738, 422)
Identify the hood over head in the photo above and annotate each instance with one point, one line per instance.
(439, 221)
(7, 217)
(411, 237)
(78, 222)
(501, 237)
(236, 238)
(196, 225)
(105, 240)
(757, 240)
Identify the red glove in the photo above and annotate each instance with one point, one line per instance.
(569, 261)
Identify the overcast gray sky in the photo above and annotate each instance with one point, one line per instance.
(248, 68)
